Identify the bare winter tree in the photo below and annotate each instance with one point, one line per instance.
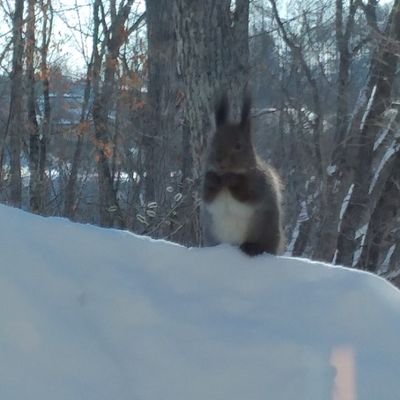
(16, 105)
(92, 78)
(365, 130)
(38, 133)
(115, 34)
(344, 31)
(35, 189)
(346, 197)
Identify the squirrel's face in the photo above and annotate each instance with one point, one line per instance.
(231, 149)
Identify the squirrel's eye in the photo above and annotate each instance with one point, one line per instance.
(238, 146)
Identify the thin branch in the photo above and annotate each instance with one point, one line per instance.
(136, 24)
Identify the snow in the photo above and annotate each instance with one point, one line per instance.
(303, 216)
(346, 201)
(294, 236)
(331, 169)
(344, 206)
(384, 267)
(89, 313)
(393, 274)
(368, 109)
(360, 233)
(390, 151)
(391, 115)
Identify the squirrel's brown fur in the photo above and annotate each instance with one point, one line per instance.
(241, 193)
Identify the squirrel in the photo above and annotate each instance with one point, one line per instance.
(241, 193)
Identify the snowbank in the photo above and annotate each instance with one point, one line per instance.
(89, 313)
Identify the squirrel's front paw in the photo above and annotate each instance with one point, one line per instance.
(232, 179)
(212, 179)
(212, 185)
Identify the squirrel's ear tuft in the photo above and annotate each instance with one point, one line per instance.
(221, 111)
(246, 109)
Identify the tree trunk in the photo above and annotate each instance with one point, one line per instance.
(37, 139)
(343, 35)
(70, 190)
(384, 223)
(196, 51)
(115, 35)
(382, 74)
(162, 133)
(33, 127)
(212, 57)
(47, 28)
(109, 208)
(15, 122)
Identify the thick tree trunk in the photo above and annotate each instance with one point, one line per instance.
(344, 31)
(110, 211)
(37, 139)
(15, 123)
(212, 57)
(196, 51)
(161, 129)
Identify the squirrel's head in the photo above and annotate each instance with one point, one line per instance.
(231, 148)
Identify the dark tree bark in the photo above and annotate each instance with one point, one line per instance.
(15, 124)
(47, 29)
(383, 226)
(161, 130)
(196, 51)
(37, 135)
(213, 57)
(70, 190)
(344, 31)
(35, 192)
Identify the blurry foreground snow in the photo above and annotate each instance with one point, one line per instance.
(88, 313)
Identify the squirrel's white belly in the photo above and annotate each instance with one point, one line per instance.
(230, 218)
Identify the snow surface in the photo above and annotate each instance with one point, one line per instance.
(391, 115)
(391, 150)
(360, 233)
(368, 109)
(331, 169)
(345, 204)
(89, 313)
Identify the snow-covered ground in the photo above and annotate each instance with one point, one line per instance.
(88, 313)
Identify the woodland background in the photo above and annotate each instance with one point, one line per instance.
(115, 135)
